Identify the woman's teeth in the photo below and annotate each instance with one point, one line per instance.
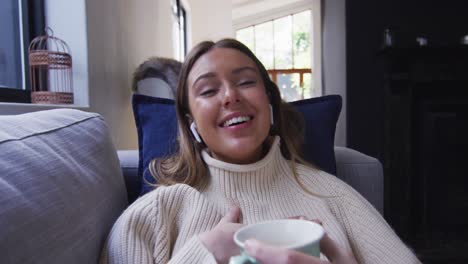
(235, 120)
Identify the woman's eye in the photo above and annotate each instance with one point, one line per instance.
(245, 83)
(207, 92)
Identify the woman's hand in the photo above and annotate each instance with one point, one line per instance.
(219, 241)
(275, 255)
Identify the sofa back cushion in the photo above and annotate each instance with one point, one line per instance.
(156, 123)
(61, 187)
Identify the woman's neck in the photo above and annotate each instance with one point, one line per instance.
(233, 180)
(258, 154)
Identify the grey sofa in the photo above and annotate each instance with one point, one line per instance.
(63, 185)
(362, 172)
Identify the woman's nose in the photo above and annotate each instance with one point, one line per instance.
(230, 95)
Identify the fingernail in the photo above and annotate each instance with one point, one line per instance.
(318, 222)
(249, 245)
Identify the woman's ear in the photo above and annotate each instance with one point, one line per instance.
(189, 118)
(193, 129)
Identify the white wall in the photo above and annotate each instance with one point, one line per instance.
(71, 27)
(121, 35)
(115, 36)
(210, 20)
(334, 58)
(110, 38)
(67, 19)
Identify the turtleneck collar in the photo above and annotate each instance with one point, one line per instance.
(236, 180)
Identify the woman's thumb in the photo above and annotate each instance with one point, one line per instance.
(232, 216)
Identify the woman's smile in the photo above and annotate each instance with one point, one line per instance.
(236, 119)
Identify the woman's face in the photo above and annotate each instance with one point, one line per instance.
(229, 105)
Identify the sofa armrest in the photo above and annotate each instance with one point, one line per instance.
(129, 165)
(363, 173)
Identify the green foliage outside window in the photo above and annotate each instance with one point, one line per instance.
(283, 43)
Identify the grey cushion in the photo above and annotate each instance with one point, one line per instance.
(364, 173)
(61, 187)
(129, 165)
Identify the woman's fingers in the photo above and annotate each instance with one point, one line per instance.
(276, 255)
(329, 248)
(335, 253)
(219, 241)
(317, 221)
(232, 215)
(300, 217)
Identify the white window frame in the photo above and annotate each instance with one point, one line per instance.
(177, 51)
(289, 9)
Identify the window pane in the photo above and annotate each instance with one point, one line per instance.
(301, 39)
(176, 39)
(288, 85)
(283, 43)
(307, 91)
(10, 45)
(246, 36)
(264, 43)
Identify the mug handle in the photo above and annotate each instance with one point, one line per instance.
(242, 259)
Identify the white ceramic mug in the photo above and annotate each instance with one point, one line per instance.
(300, 235)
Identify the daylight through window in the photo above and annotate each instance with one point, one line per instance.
(283, 45)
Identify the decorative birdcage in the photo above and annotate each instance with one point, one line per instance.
(50, 65)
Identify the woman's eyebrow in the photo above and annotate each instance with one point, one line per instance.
(204, 76)
(246, 68)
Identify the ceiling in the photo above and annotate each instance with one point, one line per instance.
(239, 3)
(253, 8)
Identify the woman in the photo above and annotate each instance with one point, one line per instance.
(237, 164)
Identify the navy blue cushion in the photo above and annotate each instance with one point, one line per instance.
(320, 117)
(156, 124)
(157, 131)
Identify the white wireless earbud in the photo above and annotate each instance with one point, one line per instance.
(193, 128)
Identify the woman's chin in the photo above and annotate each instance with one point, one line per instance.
(240, 154)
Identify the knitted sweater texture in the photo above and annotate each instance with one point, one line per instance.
(163, 225)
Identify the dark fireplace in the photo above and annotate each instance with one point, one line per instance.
(425, 151)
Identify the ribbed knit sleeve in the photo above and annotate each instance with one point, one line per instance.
(164, 225)
(371, 238)
(146, 232)
(177, 224)
(193, 252)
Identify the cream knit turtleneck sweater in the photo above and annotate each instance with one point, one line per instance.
(163, 225)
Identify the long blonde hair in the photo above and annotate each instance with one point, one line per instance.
(186, 165)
